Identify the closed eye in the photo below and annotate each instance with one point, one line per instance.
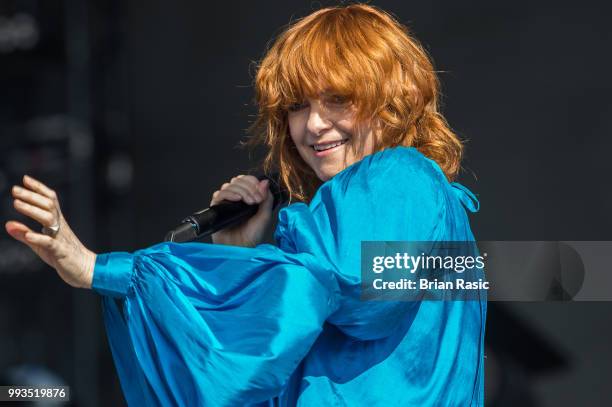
(296, 107)
(338, 99)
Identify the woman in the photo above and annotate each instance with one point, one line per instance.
(348, 109)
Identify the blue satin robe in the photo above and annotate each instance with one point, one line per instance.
(198, 324)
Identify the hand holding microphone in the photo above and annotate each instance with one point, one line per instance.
(239, 213)
(250, 190)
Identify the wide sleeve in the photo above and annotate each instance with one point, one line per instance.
(204, 324)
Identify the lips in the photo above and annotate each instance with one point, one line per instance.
(328, 146)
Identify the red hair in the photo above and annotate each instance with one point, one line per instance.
(364, 54)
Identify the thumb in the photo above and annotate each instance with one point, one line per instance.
(265, 191)
(263, 187)
(17, 230)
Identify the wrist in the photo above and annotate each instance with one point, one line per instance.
(88, 270)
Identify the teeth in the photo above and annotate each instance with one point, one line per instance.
(323, 147)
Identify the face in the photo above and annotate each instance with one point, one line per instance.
(325, 133)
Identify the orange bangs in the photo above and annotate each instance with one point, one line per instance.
(365, 55)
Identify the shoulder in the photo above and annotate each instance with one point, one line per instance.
(396, 162)
(395, 194)
(402, 172)
(395, 185)
(406, 163)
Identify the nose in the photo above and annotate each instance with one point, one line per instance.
(318, 119)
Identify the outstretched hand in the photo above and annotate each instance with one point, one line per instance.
(58, 246)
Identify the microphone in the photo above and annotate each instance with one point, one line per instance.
(207, 221)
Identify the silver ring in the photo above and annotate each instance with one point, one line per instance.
(51, 230)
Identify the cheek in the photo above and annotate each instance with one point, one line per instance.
(361, 137)
(347, 123)
(350, 127)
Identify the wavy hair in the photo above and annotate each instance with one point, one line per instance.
(366, 55)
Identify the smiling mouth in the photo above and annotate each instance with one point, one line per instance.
(328, 146)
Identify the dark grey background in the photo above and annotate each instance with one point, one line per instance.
(157, 96)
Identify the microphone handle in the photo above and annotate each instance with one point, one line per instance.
(227, 213)
(220, 216)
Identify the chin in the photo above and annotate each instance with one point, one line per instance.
(323, 177)
(326, 170)
(326, 175)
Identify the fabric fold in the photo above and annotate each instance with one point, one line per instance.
(212, 325)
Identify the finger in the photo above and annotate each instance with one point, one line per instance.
(42, 216)
(39, 187)
(250, 183)
(263, 187)
(17, 230)
(33, 198)
(40, 240)
(220, 196)
(268, 202)
(248, 179)
(244, 191)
